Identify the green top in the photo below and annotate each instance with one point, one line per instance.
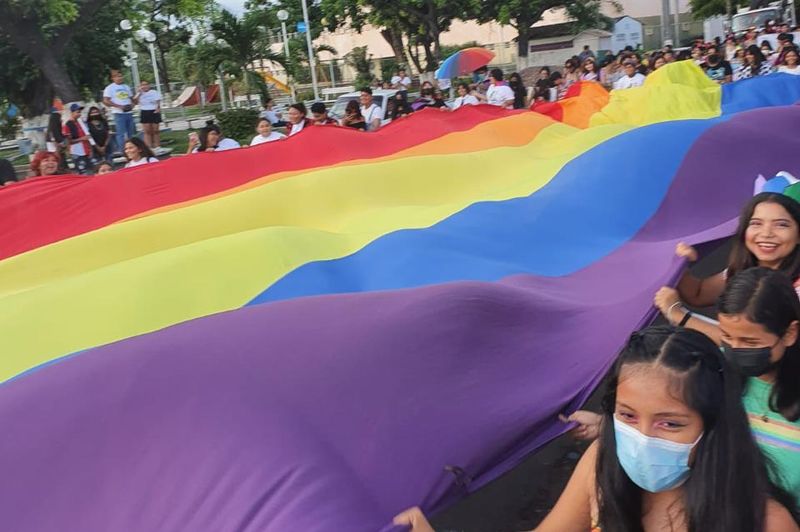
(778, 438)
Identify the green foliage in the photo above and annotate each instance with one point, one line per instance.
(243, 43)
(9, 127)
(87, 59)
(360, 62)
(198, 64)
(388, 68)
(450, 49)
(238, 124)
(522, 14)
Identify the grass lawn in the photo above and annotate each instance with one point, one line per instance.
(178, 141)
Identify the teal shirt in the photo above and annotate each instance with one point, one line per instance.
(778, 438)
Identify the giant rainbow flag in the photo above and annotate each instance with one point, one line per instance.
(312, 335)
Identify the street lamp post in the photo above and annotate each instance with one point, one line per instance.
(283, 16)
(149, 37)
(311, 60)
(126, 25)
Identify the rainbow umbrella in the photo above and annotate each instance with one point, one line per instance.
(463, 62)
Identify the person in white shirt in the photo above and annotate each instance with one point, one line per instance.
(632, 78)
(150, 117)
(271, 114)
(401, 81)
(371, 112)
(498, 93)
(265, 133)
(210, 139)
(790, 66)
(138, 153)
(120, 98)
(464, 97)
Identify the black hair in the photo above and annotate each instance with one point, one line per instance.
(100, 114)
(263, 119)
(318, 107)
(202, 135)
(464, 84)
(366, 89)
(300, 106)
(428, 91)
(756, 52)
(767, 297)
(144, 149)
(353, 107)
(555, 76)
(497, 74)
(101, 164)
(545, 69)
(401, 105)
(786, 37)
(54, 131)
(742, 258)
(717, 497)
(7, 172)
(769, 46)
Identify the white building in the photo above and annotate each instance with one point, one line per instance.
(627, 32)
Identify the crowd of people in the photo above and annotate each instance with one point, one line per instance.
(735, 59)
(86, 143)
(85, 138)
(700, 424)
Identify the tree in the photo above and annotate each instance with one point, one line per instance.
(199, 64)
(298, 65)
(359, 60)
(420, 22)
(171, 21)
(523, 14)
(244, 43)
(86, 59)
(43, 31)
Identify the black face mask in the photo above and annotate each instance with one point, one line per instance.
(749, 361)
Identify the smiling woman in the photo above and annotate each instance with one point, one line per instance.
(768, 236)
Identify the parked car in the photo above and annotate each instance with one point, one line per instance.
(383, 98)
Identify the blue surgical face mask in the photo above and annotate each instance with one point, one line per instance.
(653, 464)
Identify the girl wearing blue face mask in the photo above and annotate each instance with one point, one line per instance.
(759, 316)
(675, 451)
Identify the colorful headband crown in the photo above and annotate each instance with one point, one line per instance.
(782, 183)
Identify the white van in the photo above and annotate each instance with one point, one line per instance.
(380, 97)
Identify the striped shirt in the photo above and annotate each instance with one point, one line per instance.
(778, 438)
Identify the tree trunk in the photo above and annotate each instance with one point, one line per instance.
(396, 42)
(414, 57)
(523, 39)
(430, 59)
(53, 69)
(163, 69)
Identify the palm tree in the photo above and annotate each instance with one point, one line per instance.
(199, 64)
(243, 44)
(299, 66)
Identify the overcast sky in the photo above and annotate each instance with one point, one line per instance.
(235, 6)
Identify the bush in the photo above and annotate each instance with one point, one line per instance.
(238, 124)
(9, 127)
